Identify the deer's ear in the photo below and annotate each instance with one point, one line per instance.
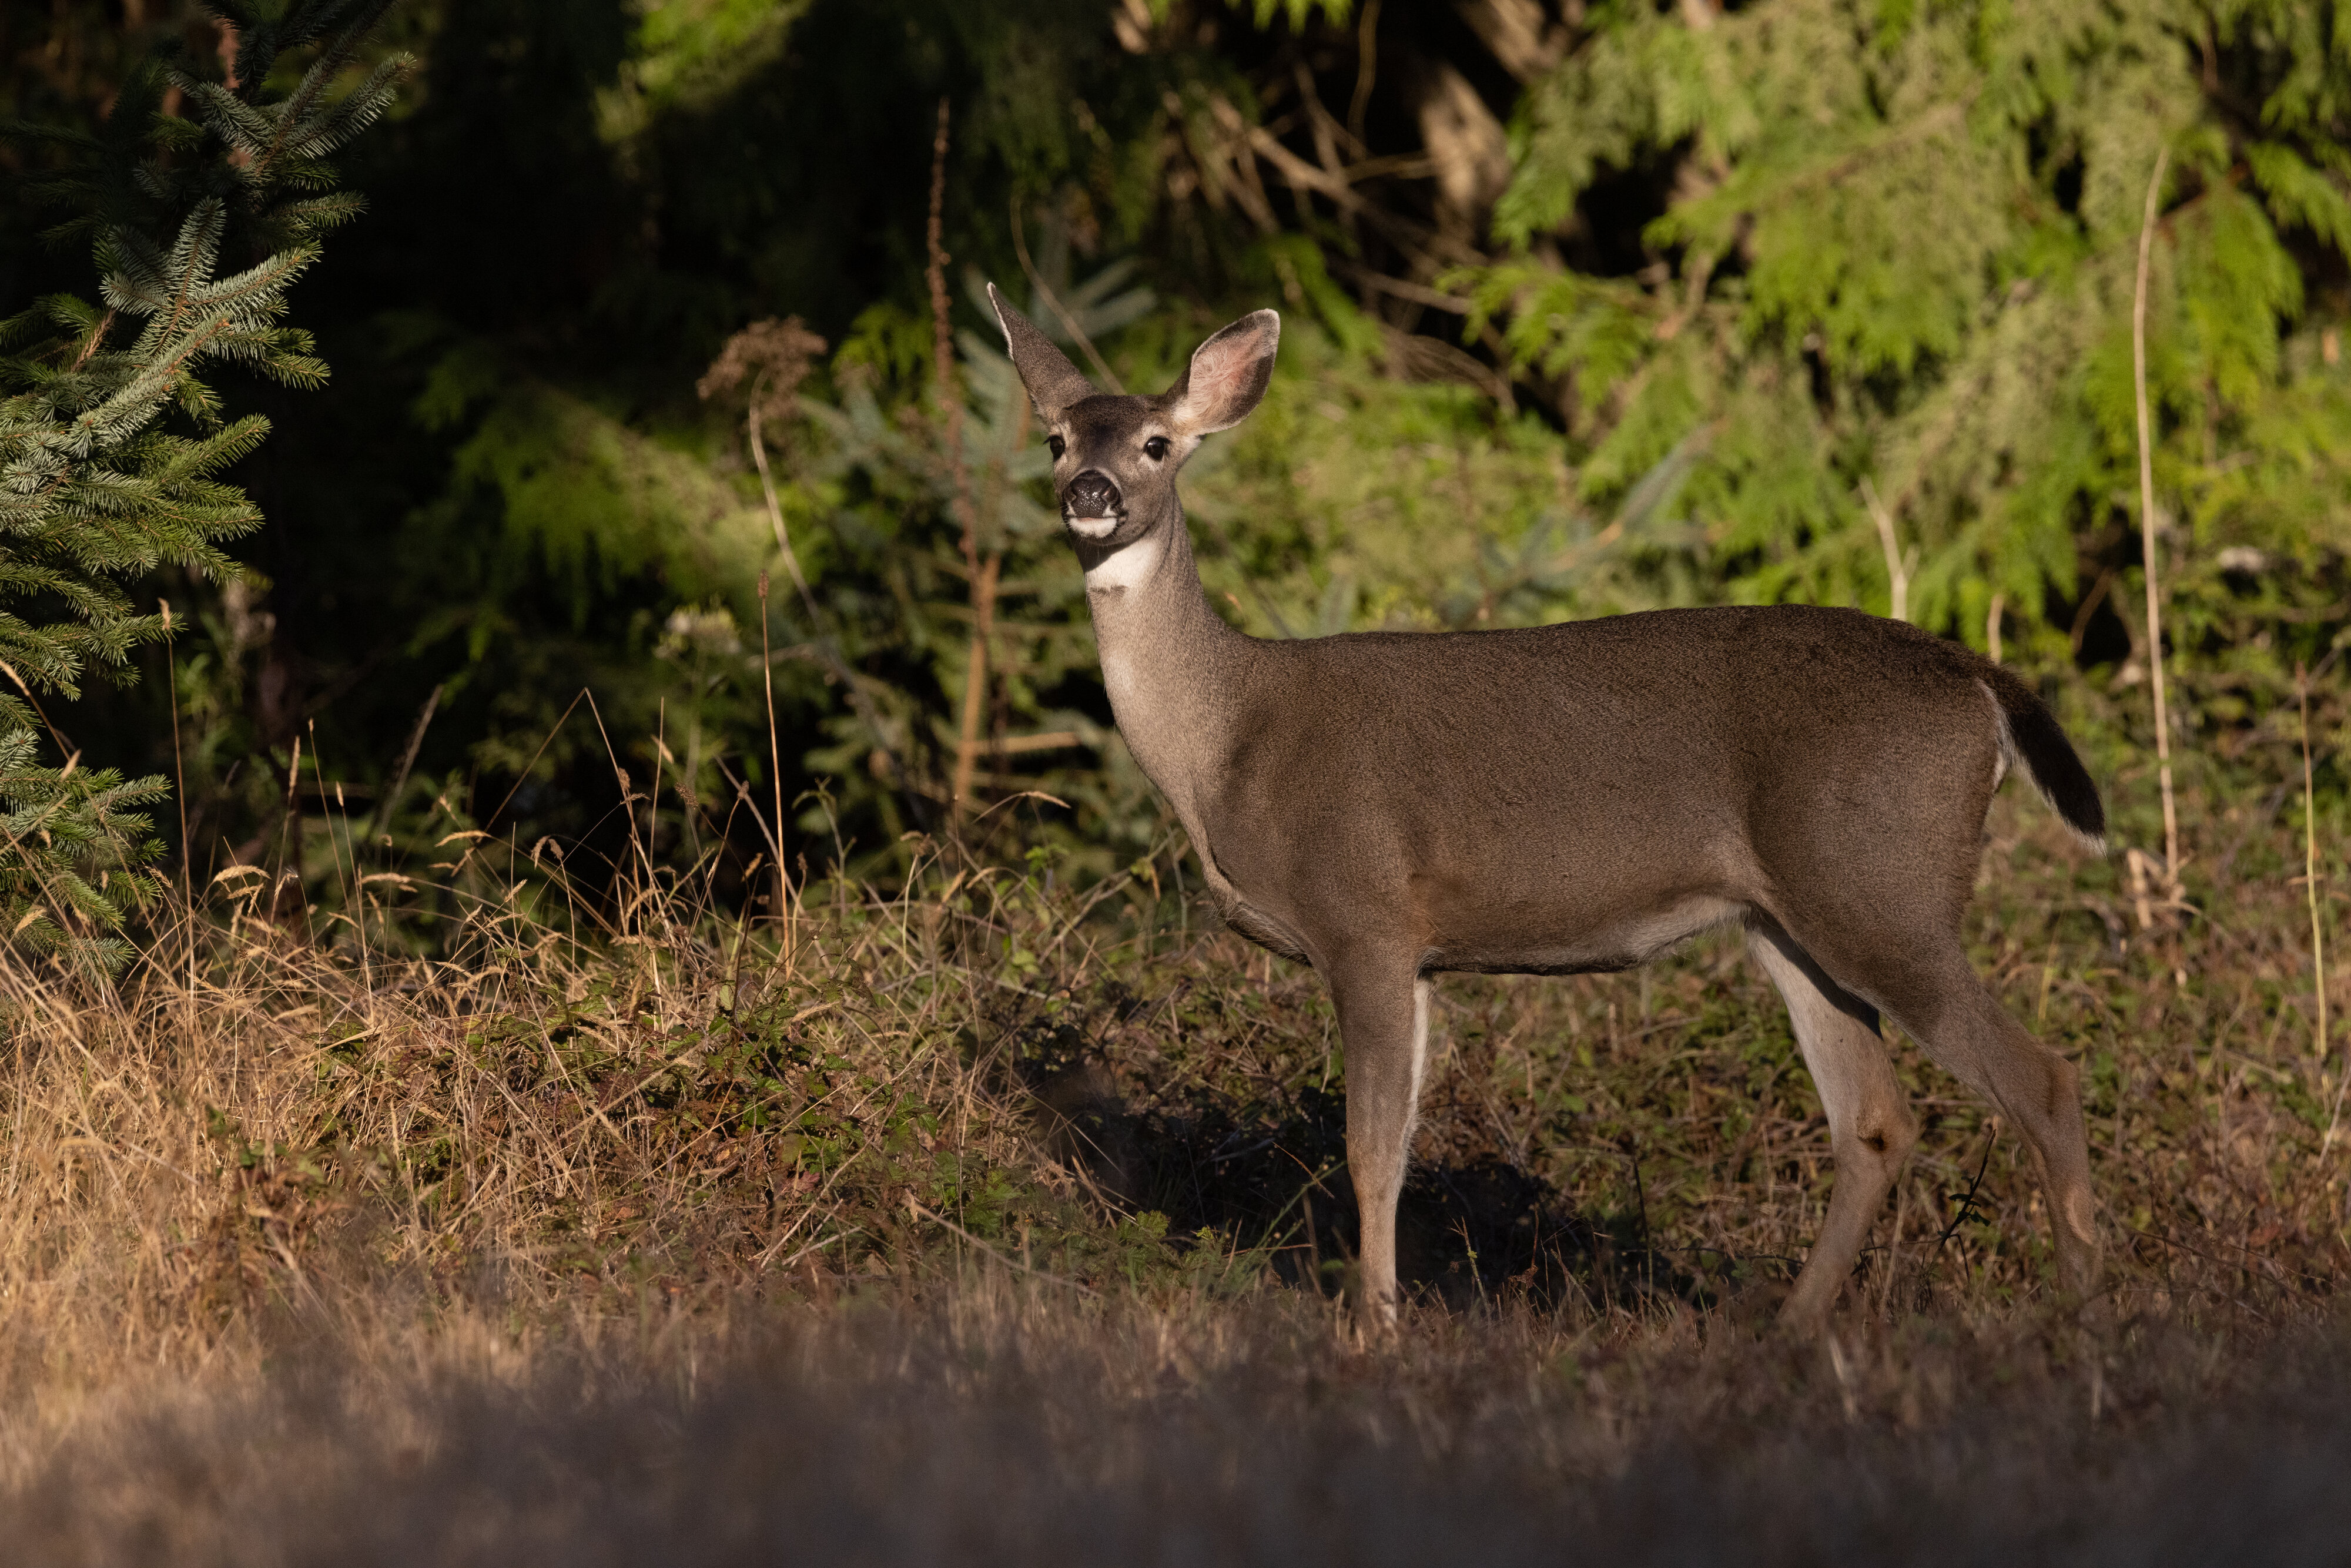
(1053, 382)
(1228, 375)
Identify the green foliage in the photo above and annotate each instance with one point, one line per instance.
(77, 849)
(1723, 267)
(95, 491)
(688, 54)
(1296, 12)
(1900, 250)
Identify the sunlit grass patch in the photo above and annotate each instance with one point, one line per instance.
(992, 1150)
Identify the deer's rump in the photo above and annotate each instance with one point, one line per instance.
(1577, 797)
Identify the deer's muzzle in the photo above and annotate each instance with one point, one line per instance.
(1093, 497)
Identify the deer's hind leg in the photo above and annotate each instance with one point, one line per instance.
(1964, 1027)
(1920, 973)
(1871, 1129)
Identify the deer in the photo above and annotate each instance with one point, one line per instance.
(1574, 799)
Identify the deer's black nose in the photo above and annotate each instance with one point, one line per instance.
(1092, 494)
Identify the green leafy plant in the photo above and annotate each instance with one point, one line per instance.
(1896, 262)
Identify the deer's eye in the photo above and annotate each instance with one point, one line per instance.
(1056, 445)
(1156, 448)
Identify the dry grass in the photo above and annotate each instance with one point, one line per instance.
(999, 1222)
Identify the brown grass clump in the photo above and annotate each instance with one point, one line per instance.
(994, 1220)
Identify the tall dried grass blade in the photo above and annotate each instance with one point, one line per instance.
(2147, 525)
(381, 821)
(775, 770)
(1897, 573)
(2310, 866)
(180, 795)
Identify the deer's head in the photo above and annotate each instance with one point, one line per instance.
(1114, 457)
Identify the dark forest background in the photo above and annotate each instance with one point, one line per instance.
(1587, 307)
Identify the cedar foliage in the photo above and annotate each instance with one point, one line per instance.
(99, 488)
(1899, 250)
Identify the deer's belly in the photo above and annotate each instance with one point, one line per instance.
(1446, 890)
(1441, 923)
(1604, 942)
(1268, 931)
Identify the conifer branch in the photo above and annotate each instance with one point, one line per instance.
(92, 494)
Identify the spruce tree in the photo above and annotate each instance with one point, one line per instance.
(111, 440)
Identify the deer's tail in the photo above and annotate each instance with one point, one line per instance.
(2029, 739)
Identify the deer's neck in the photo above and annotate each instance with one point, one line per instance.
(1174, 669)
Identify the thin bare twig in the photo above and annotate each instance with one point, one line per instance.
(1367, 62)
(1103, 371)
(982, 577)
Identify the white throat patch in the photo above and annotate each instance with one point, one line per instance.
(1126, 567)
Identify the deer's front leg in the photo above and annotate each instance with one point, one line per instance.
(1383, 1024)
